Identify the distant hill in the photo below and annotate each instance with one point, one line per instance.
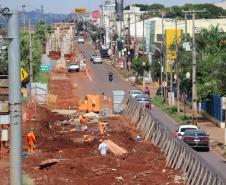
(37, 15)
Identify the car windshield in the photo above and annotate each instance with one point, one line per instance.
(192, 133)
(135, 92)
(184, 129)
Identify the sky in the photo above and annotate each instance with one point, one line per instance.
(67, 6)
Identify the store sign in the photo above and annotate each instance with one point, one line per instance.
(96, 14)
(80, 10)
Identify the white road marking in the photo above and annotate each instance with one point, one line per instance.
(90, 78)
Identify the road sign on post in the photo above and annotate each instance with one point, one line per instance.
(45, 68)
(23, 74)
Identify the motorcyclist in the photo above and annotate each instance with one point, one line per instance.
(110, 76)
(146, 91)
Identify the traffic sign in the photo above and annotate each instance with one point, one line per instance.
(45, 67)
(164, 84)
(23, 74)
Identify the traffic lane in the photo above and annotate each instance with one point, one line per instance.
(100, 73)
(211, 157)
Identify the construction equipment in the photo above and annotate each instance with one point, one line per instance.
(91, 103)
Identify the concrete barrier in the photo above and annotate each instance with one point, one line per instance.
(179, 155)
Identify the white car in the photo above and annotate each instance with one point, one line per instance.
(73, 67)
(135, 93)
(180, 131)
(81, 40)
(97, 60)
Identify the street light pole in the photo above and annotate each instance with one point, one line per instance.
(177, 71)
(15, 100)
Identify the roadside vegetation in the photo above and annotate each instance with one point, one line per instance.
(39, 36)
(171, 111)
(41, 77)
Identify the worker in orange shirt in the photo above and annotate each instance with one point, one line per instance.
(83, 119)
(31, 140)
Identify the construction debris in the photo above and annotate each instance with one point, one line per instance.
(48, 163)
(91, 115)
(114, 148)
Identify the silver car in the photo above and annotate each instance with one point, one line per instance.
(97, 60)
(135, 93)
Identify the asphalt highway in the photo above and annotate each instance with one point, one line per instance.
(96, 81)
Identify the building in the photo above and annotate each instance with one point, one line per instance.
(154, 27)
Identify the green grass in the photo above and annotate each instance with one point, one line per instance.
(41, 77)
(27, 180)
(171, 111)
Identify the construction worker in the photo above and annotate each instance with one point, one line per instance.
(31, 140)
(83, 119)
(102, 126)
(103, 148)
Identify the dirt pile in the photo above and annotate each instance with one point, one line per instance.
(61, 86)
(80, 163)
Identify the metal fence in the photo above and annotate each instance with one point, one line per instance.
(179, 155)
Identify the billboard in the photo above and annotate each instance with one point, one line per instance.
(96, 14)
(80, 10)
(172, 36)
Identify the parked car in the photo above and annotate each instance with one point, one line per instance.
(197, 139)
(135, 93)
(81, 40)
(97, 60)
(180, 131)
(92, 57)
(74, 68)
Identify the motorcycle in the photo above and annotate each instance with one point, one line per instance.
(110, 77)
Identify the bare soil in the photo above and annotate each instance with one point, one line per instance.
(81, 162)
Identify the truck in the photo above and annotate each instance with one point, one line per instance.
(104, 52)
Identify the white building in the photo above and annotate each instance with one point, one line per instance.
(154, 27)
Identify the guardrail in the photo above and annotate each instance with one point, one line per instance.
(179, 155)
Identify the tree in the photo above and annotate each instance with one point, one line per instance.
(41, 30)
(140, 64)
(36, 52)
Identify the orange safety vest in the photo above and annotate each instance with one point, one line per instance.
(31, 140)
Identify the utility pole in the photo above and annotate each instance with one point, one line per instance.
(164, 58)
(135, 27)
(30, 53)
(129, 30)
(24, 19)
(186, 26)
(177, 71)
(15, 100)
(194, 83)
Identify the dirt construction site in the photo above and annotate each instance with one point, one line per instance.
(63, 156)
(67, 150)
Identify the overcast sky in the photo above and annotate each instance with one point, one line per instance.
(66, 6)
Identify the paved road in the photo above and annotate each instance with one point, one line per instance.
(100, 83)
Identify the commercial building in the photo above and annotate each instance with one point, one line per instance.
(154, 27)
